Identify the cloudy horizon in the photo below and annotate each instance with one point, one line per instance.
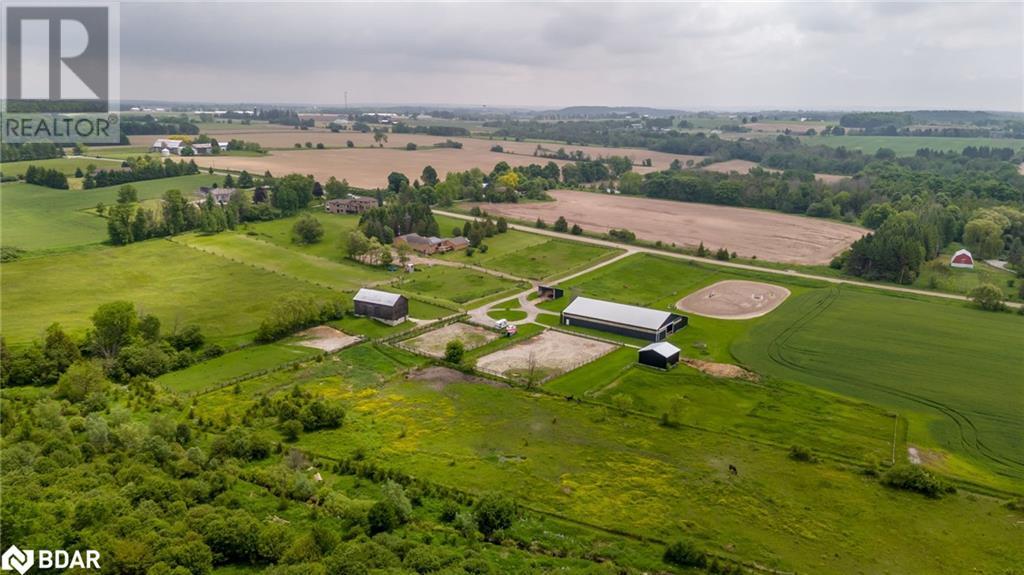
(677, 56)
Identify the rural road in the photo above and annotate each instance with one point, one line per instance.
(479, 315)
(790, 273)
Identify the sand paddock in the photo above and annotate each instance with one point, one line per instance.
(433, 343)
(553, 352)
(326, 338)
(768, 235)
(734, 299)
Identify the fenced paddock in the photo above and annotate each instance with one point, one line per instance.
(542, 357)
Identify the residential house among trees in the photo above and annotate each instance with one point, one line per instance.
(386, 307)
(630, 320)
(433, 244)
(662, 355)
(220, 195)
(350, 205)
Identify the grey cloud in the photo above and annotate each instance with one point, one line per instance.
(675, 55)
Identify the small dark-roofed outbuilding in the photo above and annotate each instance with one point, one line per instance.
(662, 355)
(549, 292)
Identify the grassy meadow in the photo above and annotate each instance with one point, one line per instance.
(527, 255)
(178, 284)
(36, 218)
(66, 166)
(591, 465)
(908, 145)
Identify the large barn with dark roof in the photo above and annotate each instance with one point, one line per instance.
(631, 320)
(390, 308)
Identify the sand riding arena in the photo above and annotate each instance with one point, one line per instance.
(734, 299)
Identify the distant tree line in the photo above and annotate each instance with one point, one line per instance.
(139, 169)
(144, 125)
(29, 151)
(444, 131)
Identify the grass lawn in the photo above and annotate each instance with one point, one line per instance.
(937, 275)
(908, 145)
(588, 464)
(336, 227)
(248, 360)
(459, 285)
(178, 284)
(66, 166)
(38, 218)
(342, 275)
(953, 371)
(509, 314)
(527, 255)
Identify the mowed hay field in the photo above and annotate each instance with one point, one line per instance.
(768, 235)
(367, 166)
(178, 284)
(953, 371)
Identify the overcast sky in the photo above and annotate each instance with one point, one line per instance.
(686, 56)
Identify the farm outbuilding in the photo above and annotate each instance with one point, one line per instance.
(630, 320)
(387, 307)
(962, 259)
(661, 354)
(549, 292)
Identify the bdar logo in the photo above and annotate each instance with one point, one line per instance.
(15, 559)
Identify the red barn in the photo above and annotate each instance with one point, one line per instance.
(962, 259)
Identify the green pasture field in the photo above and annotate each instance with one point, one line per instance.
(589, 464)
(66, 166)
(459, 285)
(953, 371)
(528, 255)
(342, 275)
(248, 360)
(178, 284)
(908, 145)
(37, 218)
(336, 228)
(658, 282)
(123, 152)
(781, 413)
(902, 353)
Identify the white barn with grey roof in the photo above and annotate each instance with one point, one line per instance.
(631, 320)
